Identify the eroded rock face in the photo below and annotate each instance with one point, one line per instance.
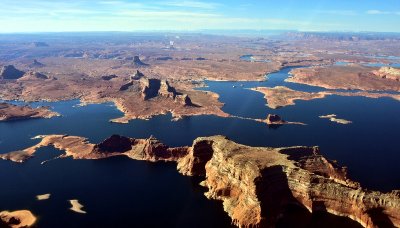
(388, 73)
(10, 72)
(154, 87)
(255, 184)
(150, 87)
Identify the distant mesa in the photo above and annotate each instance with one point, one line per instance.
(164, 58)
(108, 77)
(74, 55)
(10, 72)
(138, 75)
(34, 75)
(137, 62)
(36, 64)
(39, 44)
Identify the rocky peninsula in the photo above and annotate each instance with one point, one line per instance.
(255, 184)
(281, 96)
(352, 77)
(10, 112)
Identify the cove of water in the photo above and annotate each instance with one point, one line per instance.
(120, 192)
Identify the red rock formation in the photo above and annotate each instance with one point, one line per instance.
(273, 119)
(256, 184)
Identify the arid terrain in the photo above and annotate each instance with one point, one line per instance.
(113, 70)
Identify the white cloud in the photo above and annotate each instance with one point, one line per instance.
(338, 12)
(377, 12)
(191, 4)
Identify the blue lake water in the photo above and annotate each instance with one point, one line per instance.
(126, 193)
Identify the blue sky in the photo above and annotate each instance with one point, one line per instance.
(130, 15)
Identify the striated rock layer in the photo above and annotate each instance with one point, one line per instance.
(255, 184)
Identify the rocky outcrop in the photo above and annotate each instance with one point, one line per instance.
(36, 64)
(388, 73)
(166, 90)
(115, 143)
(138, 75)
(154, 87)
(138, 63)
(10, 72)
(255, 184)
(17, 219)
(184, 100)
(273, 119)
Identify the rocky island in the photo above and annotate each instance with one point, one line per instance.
(10, 112)
(255, 184)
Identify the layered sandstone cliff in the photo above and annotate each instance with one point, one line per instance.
(255, 184)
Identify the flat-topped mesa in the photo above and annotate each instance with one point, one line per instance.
(256, 184)
(273, 119)
(10, 72)
(155, 87)
(388, 73)
(138, 63)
